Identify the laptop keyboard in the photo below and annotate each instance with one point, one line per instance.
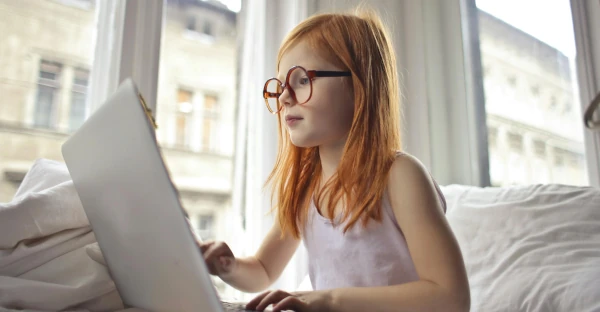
(235, 307)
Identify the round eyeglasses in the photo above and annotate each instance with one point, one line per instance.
(298, 82)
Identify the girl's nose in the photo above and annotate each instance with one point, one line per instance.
(286, 98)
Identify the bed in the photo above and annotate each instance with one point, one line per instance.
(526, 248)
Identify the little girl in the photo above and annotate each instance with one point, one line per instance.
(371, 217)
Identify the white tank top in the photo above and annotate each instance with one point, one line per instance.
(375, 255)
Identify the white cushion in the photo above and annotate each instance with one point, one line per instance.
(530, 248)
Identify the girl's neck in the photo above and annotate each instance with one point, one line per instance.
(330, 156)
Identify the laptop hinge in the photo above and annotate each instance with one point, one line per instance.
(148, 111)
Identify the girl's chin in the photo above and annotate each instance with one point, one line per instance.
(300, 141)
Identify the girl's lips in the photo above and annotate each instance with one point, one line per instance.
(292, 121)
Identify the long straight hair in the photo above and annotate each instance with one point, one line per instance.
(358, 43)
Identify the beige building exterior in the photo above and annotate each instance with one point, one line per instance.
(534, 126)
(46, 53)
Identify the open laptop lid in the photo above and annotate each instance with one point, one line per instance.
(134, 208)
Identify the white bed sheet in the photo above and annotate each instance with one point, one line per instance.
(49, 258)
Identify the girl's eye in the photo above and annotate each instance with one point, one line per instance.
(304, 80)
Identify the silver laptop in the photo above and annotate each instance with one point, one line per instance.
(135, 211)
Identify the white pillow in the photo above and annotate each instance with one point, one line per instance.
(530, 248)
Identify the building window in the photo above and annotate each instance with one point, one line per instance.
(210, 118)
(553, 102)
(191, 23)
(512, 81)
(575, 160)
(205, 226)
(539, 149)
(559, 157)
(515, 141)
(78, 109)
(183, 118)
(207, 28)
(46, 99)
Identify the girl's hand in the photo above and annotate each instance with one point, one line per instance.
(297, 301)
(219, 258)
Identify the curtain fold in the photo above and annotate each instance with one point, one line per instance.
(104, 78)
(265, 23)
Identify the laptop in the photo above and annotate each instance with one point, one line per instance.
(135, 210)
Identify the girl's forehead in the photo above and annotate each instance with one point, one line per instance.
(300, 54)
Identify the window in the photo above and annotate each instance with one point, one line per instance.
(210, 122)
(47, 52)
(539, 149)
(191, 23)
(537, 52)
(47, 100)
(553, 102)
(575, 160)
(205, 226)
(50, 91)
(183, 114)
(207, 28)
(195, 129)
(196, 104)
(515, 142)
(512, 81)
(78, 108)
(559, 157)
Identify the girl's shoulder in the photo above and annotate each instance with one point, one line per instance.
(408, 172)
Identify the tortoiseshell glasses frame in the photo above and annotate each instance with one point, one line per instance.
(310, 74)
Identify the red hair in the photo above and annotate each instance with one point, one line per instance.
(360, 44)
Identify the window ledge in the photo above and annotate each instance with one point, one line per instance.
(20, 128)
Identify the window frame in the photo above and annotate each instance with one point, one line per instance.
(435, 34)
(55, 84)
(587, 41)
(445, 111)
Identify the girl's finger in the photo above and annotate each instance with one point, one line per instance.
(290, 303)
(252, 304)
(273, 298)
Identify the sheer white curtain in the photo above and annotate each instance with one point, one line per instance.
(107, 55)
(265, 23)
(127, 45)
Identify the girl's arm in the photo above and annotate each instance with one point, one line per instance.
(443, 284)
(255, 274)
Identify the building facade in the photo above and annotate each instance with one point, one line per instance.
(46, 55)
(535, 130)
